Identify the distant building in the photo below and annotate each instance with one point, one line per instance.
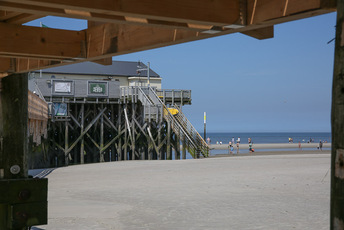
(123, 71)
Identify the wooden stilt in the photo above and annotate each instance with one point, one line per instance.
(101, 154)
(66, 152)
(183, 148)
(168, 150)
(133, 131)
(119, 149)
(82, 144)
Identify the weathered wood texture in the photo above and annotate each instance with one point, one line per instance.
(109, 135)
(134, 26)
(337, 172)
(13, 126)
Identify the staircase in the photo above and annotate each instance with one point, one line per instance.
(180, 125)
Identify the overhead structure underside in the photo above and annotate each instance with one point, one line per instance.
(117, 27)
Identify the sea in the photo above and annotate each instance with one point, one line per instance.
(264, 138)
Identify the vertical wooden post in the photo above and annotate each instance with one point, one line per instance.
(337, 123)
(101, 154)
(13, 127)
(177, 150)
(119, 147)
(113, 152)
(82, 145)
(66, 144)
(168, 151)
(125, 140)
(133, 131)
(184, 147)
(159, 140)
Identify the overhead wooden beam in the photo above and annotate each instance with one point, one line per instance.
(16, 17)
(211, 12)
(110, 40)
(36, 42)
(104, 61)
(100, 17)
(262, 33)
(264, 10)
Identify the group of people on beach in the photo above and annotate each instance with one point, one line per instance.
(232, 143)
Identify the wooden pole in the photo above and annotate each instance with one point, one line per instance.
(66, 152)
(13, 127)
(82, 146)
(133, 131)
(168, 150)
(101, 154)
(337, 123)
(119, 149)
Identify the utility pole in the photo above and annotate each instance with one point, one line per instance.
(337, 125)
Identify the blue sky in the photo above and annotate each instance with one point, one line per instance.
(281, 84)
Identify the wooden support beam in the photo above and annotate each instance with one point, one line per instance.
(101, 155)
(264, 10)
(208, 12)
(25, 41)
(85, 131)
(337, 123)
(262, 33)
(110, 40)
(82, 144)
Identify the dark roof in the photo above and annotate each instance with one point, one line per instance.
(118, 68)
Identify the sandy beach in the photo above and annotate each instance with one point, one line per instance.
(281, 191)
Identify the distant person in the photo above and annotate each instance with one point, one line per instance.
(320, 145)
(208, 141)
(289, 139)
(238, 140)
(237, 147)
(233, 140)
(230, 147)
(249, 140)
(250, 148)
(220, 142)
(300, 146)
(217, 142)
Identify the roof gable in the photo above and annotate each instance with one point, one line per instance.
(118, 68)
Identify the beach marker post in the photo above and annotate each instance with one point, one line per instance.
(205, 125)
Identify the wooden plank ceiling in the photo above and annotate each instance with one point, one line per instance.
(118, 27)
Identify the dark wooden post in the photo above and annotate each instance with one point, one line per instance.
(337, 123)
(101, 153)
(82, 145)
(66, 153)
(13, 127)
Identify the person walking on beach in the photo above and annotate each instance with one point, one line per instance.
(300, 146)
(320, 145)
(230, 146)
(208, 140)
(250, 147)
(238, 140)
(233, 140)
(237, 148)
